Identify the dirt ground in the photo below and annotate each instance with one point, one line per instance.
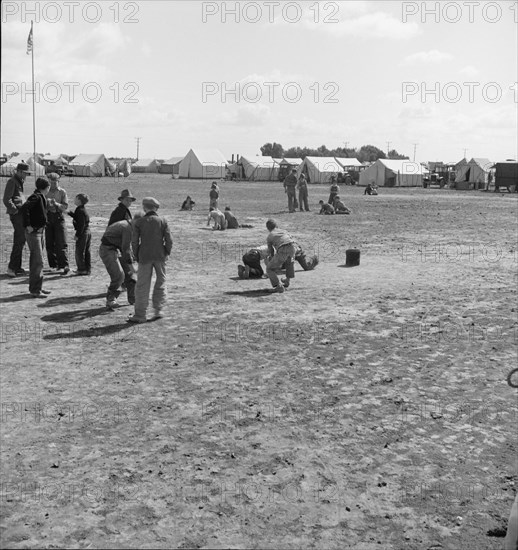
(365, 408)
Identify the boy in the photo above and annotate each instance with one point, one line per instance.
(232, 222)
(115, 253)
(55, 231)
(281, 247)
(334, 190)
(188, 204)
(220, 222)
(340, 207)
(214, 195)
(326, 209)
(81, 221)
(290, 183)
(152, 244)
(302, 186)
(252, 260)
(34, 219)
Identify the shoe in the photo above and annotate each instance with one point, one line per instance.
(131, 302)
(80, 272)
(246, 274)
(279, 288)
(158, 315)
(46, 292)
(240, 271)
(20, 271)
(134, 319)
(11, 273)
(66, 271)
(286, 282)
(38, 295)
(111, 304)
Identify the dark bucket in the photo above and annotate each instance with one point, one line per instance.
(352, 257)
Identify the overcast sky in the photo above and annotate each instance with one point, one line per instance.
(328, 72)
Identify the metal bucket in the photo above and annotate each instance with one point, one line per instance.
(352, 257)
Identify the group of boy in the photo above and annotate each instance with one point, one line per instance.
(291, 185)
(144, 239)
(280, 252)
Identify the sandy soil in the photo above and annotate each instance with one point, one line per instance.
(365, 408)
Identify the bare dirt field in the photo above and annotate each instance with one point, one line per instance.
(365, 408)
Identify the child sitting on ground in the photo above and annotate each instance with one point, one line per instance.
(340, 207)
(220, 222)
(188, 204)
(325, 208)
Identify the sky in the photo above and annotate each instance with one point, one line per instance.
(434, 78)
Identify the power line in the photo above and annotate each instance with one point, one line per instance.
(137, 139)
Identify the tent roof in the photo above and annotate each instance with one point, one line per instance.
(173, 160)
(403, 166)
(349, 162)
(292, 161)
(264, 162)
(209, 156)
(87, 159)
(327, 163)
(482, 162)
(144, 162)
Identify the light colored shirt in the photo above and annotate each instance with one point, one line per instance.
(219, 219)
(278, 238)
(59, 195)
(263, 251)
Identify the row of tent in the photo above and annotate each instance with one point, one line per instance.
(212, 164)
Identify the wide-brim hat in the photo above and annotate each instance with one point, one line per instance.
(126, 194)
(23, 167)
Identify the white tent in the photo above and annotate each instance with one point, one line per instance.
(92, 166)
(349, 163)
(393, 173)
(171, 166)
(146, 166)
(476, 171)
(203, 164)
(260, 168)
(8, 168)
(319, 169)
(123, 167)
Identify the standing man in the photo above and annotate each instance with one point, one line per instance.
(13, 200)
(122, 212)
(302, 186)
(115, 252)
(34, 219)
(152, 244)
(282, 249)
(55, 231)
(289, 188)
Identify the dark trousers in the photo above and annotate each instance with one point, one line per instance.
(83, 258)
(332, 198)
(56, 241)
(15, 261)
(35, 244)
(253, 261)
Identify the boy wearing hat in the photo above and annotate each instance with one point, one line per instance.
(55, 231)
(122, 212)
(152, 244)
(81, 221)
(34, 218)
(13, 200)
(289, 188)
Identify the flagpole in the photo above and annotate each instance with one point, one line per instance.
(33, 108)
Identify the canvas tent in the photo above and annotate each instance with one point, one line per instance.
(123, 167)
(475, 171)
(171, 166)
(292, 162)
(349, 163)
(319, 169)
(146, 166)
(94, 165)
(260, 168)
(203, 164)
(8, 168)
(393, 173)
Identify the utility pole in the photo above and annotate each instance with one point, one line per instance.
(388, 148)
(137, 139)
(415, 148)
(465, 151)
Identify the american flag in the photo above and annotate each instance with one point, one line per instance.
(29, 42)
